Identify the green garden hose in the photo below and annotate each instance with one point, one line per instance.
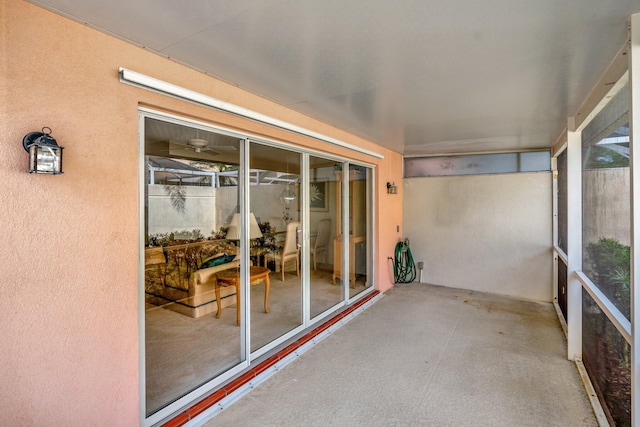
(404, 269)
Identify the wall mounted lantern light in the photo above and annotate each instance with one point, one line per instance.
(392, 188)
(45, 155)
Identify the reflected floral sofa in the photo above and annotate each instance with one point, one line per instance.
(181, 276)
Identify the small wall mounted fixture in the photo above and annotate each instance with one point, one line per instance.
(392, 188)
(45, 155)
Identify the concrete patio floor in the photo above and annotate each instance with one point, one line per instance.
(428, 356)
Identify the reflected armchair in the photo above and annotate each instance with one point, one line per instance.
(290, 250)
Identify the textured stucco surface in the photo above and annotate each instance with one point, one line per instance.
(70, 257)
(488, 233)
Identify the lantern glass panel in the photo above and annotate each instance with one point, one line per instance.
(45, 159)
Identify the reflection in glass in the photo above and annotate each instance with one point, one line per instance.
(193, 293)
(607, 358)
(606, 202)
(324, 225)
(562, 287)
(274, 197)
(477, 164)
(562, 202)
(188, 207)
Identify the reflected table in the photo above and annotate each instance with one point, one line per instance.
(231, 277)
(337, 257)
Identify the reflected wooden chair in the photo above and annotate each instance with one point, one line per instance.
(321, 243)
(290, 250)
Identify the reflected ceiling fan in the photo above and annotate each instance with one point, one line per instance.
(192, 148)
(197, 145)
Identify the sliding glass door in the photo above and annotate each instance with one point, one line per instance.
(243, 248)
(191, 336)
(359, 248)
(274, 194)
(325, 279)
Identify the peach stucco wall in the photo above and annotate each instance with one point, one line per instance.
(69, 258)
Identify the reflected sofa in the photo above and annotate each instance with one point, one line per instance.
(182, 276)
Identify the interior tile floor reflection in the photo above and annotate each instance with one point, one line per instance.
(428, 356)
(184, 352)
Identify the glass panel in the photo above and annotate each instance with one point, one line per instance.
(476, 164)
(606, 202)
(359, 226)
(324, 218)
(562, 202)
(188, 208)
(562, 287)
(607, 358)
(534, 161)
(274, 201)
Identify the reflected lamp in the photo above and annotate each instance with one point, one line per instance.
(234, 228)
(287, 196)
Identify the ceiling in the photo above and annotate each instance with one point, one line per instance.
(416, 76)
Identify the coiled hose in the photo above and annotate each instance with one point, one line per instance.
(404, 269)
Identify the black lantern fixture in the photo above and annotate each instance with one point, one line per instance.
(45, 155)
(392, 188)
